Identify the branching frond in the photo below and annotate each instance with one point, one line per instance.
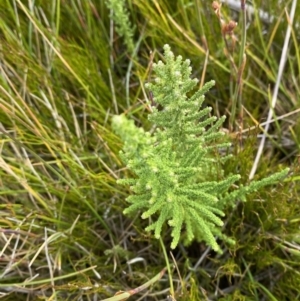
(176, 167)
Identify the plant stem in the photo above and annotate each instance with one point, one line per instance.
(168, 267)
(237, 96)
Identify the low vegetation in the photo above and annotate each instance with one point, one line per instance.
(67, 67)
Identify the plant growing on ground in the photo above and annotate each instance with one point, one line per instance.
(179, 177)
(119, 14)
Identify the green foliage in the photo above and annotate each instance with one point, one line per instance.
(120, 17)
(179, 176)
(61, 209)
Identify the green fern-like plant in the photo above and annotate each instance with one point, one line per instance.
(178, 169)
(119, 14)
